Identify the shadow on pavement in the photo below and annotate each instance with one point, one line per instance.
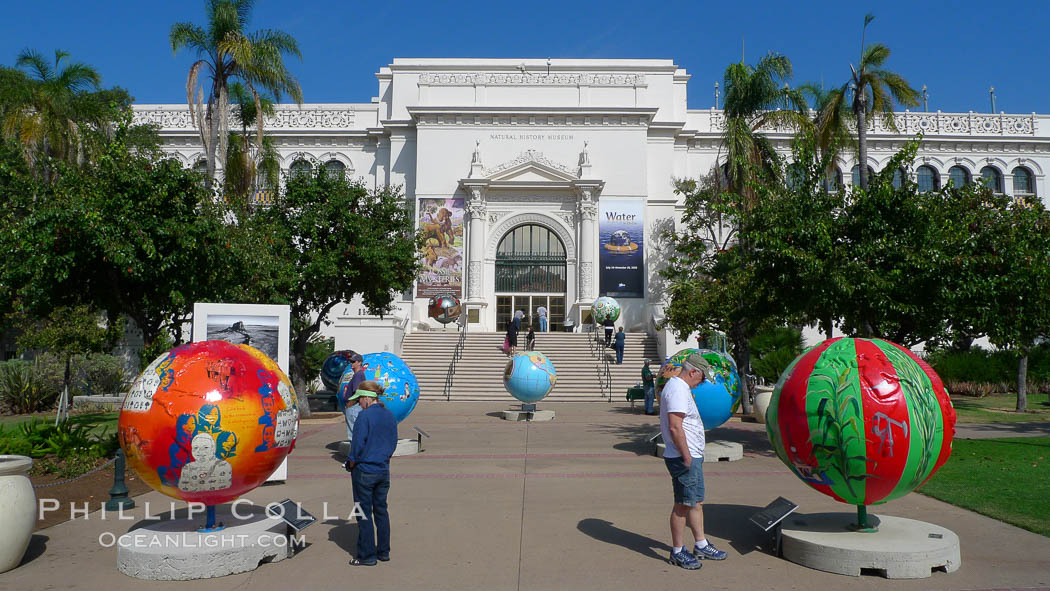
(730, 523)
(36, 548)
(344, 535)
(635, 438)
(605, 531)
(754, 442)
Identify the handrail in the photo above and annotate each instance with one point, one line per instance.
(457, 354)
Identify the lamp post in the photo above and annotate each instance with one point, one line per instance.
(991, 93)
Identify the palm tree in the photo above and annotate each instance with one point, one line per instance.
(757, 97)
(226, 51)
(46, 107)
(874, 91)
(249, 164)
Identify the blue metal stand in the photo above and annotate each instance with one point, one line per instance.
(210, 525)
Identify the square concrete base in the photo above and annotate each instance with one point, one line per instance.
(175, 551)
(901, 549)
(521, 415)
(714, 451)
(405, 447)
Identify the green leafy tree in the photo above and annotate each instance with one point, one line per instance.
(226, 52)
(327, 240)
(873, 91)
(249, 164)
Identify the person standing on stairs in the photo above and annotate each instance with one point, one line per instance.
(542, 313)
(609, 326)
(621, 342)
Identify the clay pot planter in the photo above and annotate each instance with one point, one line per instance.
(17, 510)
(762, 396)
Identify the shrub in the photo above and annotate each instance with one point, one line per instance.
(975, 389)
(24, 389)
(773, 350)
(102, 375)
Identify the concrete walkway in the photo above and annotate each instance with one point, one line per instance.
(575, 503)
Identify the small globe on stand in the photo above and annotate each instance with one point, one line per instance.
(529, 376)
(718, 396)
(333, 368)
(444, 308)
(400, 386)
(605, 308)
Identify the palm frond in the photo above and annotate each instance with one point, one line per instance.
(35, 63)
(188, 35)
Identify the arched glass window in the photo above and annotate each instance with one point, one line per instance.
(530, 259)
(833, 181)
(992, 178)
(927, 179)
(201, 167)
(959, 176)
(335, 168)
(299, 167)
(856, 175)
(1023, 182)
(898, 179)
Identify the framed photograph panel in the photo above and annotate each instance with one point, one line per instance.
(263, 326)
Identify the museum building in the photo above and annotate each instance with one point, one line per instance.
(549, 182)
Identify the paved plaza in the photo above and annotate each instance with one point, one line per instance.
(576, 503)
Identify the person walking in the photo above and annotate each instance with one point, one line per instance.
(512, 334)
(609, 326)
(542, 313)
(351, 410)
(621, 342)
(530, 340)
(683, 435)
(650, 387)
(375, 438)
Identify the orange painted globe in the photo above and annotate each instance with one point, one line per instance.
(209, 421)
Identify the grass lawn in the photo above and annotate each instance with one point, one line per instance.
(98, 420)
(999, 408)
(1007, 479)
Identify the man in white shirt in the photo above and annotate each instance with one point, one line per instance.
(683, 435)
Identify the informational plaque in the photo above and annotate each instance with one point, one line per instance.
(292, 513)
(773, 513)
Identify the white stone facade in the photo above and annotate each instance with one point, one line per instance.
(523, 142)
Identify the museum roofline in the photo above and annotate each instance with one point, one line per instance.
(534, 64)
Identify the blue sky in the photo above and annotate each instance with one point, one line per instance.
(958, 49)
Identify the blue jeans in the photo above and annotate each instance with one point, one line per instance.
(370, 492)
(619, 354)
(543, 324)
(650, 398)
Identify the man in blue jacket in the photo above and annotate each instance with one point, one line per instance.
(375, 438)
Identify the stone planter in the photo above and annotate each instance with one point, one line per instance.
(17, 510)
(762, 396)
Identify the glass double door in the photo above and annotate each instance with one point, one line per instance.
(529, 303)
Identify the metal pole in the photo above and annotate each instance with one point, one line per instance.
(118, 495)
(716, 96)
(991, 93)
(925, 100)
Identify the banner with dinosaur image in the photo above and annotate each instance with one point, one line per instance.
(441, 221)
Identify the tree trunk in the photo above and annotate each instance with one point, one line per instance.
(1022, 382)
(862, 140)
(828, 326)
(742, 353)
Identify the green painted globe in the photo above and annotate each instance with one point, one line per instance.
(605, 307)
(529, 376)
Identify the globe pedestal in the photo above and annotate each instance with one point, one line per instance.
(174, 550)
(528, 412)
(900, 549)
(405, 447)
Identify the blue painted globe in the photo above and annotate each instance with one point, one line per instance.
(333, 367)
(605, 307)
(718, 397)
(529, 376)
(400, 386)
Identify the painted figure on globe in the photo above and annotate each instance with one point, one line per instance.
(718, 396)
(209, 421)
(864, 421)
(400, 386)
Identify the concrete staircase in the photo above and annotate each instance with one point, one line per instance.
(479, 373)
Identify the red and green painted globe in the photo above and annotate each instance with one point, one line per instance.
(862, 420)
(209, 421)
(718, 396)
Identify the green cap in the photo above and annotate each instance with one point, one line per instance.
(365, 393)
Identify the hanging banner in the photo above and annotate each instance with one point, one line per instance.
(620, 248)
(441, 221)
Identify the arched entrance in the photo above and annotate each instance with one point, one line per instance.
(530, 272)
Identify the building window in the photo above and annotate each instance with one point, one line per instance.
(959, 176)
(1023, 183)
(927, 179)
(530, 259)
(299, 167)
(201, 167)
(898, 179)
(335, 169)
(992, 178)
(833, 180)
(856, 175)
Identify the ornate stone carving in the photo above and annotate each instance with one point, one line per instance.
(497, 216)
(909, 123)
(588, 210)
(496, 233)
(286, 117)
(568, 217)
(529, 79)
(586, 280)
(474, 280)
(477, 209)
(528, 156)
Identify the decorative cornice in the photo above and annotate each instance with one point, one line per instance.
(908, 123)
(287, 117)
(522, 79)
